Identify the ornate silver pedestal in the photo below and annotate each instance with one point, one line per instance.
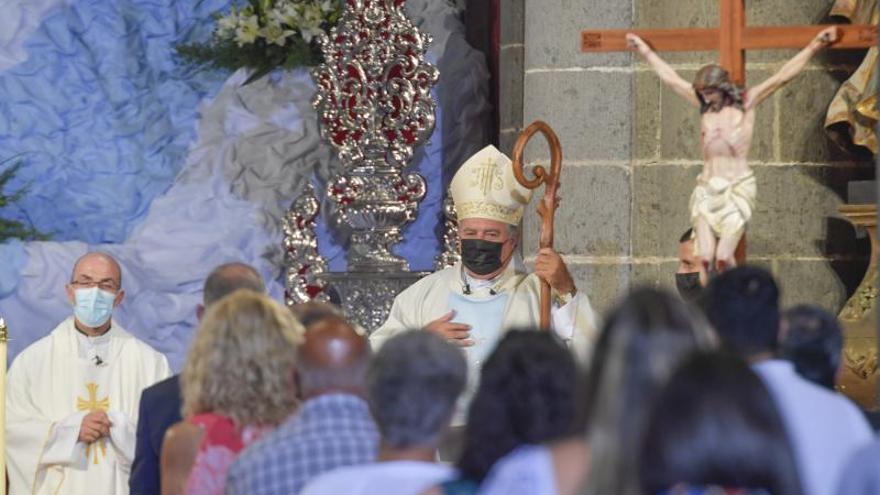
(374, 106)
(450, 255)
(367, 297)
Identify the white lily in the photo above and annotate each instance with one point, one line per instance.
(310, 22)
(247, 31)
(226, 25)
(274, 33)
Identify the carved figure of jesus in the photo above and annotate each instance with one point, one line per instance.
(724, 197)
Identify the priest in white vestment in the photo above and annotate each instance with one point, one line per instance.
(72, 396)
(475, 301)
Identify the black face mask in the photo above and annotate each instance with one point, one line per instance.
(688, 285)
(481, 257)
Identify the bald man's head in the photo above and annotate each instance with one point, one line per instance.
(97, 266)
(92, 270)
(333, 358)
(228, 278)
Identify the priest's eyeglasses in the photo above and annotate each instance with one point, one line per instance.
(107, 284)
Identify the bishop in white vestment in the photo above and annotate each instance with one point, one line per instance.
(87, 366)
(475, 301)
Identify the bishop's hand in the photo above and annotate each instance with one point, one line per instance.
(454, 333)
(551, 269)
(95, 425)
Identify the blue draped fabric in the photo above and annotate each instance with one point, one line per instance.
(102, 112)
(12, 260)
(124, 150)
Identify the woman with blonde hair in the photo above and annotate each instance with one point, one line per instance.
(237, 383)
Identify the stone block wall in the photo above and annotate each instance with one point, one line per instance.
(511, 72)
(631, 148)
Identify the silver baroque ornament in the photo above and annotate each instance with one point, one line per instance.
(374, 106)
(450, 254)
(301, 259)
(366, 298)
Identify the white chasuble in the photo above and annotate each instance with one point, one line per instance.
(51, 386)
(518, 293)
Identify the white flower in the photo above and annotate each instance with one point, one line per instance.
(310, 19)
(327, 6)
(247, 31)
(274, 33)
(226, 25)
(275, 15)
(288, 15)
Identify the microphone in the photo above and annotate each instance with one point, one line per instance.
(466, 289)
(98, 361)
(492, 292)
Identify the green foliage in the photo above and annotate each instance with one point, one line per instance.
(265, 35)
(227, 55)
(12, 229)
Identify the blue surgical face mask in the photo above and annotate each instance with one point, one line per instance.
(93, 306)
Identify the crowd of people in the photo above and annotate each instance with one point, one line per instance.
(716, 390)
(724, 394)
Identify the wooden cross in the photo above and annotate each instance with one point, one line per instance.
(731, 39)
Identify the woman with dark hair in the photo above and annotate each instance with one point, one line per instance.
(525, 396)
(644, 339)
(813, 341)
(715, 424)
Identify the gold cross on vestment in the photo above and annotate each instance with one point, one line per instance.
(93, 404)
(732, 38)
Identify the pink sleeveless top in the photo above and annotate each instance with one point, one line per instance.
(220, 445)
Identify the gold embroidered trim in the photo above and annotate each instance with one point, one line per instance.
(511, 216)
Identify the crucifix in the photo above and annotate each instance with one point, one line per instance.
(731, 39)
(724, 197)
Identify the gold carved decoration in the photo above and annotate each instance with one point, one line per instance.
(858, 318)
(862, 302)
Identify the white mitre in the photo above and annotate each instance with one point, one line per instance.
(485, 187)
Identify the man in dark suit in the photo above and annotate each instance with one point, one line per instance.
(160, 404)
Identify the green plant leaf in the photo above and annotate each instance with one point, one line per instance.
(13, 229)
(258, 73)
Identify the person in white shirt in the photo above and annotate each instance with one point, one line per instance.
(412, 386)
(862, 476)
(72, 396)
(824, 427)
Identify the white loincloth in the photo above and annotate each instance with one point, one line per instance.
(725, 205)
